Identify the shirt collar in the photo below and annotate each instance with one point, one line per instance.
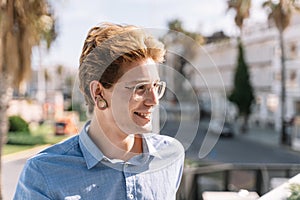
(148, 146)
(93, 155)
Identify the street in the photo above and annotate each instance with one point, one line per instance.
(238, 149)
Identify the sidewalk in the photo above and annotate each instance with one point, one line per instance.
(12, 166)
(22, 154)
(263, 135)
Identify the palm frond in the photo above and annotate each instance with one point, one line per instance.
(242, 9)
(23, 24)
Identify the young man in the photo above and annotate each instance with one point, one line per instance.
(115, 156)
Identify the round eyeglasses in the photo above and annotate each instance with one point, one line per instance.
(142, 89)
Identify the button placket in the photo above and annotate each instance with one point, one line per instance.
(125, 165)
(130, 196)
(130, 181)
(129, 186)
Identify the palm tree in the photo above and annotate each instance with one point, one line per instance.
(187, 44)
(189, 49)
(23, 24)
(60, 72)
(280, 13)
(242, 93)
(242, 9)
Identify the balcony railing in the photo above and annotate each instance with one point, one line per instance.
(232, 177)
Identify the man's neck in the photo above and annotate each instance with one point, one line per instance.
(113, 143)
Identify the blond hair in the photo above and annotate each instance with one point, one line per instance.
(109, 46)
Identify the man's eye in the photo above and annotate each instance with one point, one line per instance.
(141, 87)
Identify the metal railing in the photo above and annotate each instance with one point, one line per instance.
(191, 187)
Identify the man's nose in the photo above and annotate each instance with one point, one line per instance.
(151, 98)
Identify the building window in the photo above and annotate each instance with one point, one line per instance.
(292, 79)
(297, 107)
(272, 103)
(277, 76)
(292, 51)
(293, 76)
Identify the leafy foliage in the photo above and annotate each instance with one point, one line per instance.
(23, 24)
(38, 134)
(242, 94)
(242, 9)
(177, 26)
(295, 192)
(281, 12)
(19, 133)
(18, 125)
(187, 48)
(20, 139)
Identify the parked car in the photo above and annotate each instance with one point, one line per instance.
(225, 129)
(60, 128)
(205, 109)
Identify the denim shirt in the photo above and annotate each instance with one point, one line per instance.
(77, 169)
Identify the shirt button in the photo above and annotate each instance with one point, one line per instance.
(130, 196)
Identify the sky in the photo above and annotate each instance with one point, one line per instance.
(76, 17)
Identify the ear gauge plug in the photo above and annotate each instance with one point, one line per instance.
(101, 103)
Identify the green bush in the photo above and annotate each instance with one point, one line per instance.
(295, 192)
(18, 124)
(19, 139)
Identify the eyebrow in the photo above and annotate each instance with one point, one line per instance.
(140, 81)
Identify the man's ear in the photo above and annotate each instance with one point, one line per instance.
(96, 89)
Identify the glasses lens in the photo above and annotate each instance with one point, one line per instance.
(142, 88)
(157, 88)
(160, 89)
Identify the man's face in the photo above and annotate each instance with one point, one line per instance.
(131, 107)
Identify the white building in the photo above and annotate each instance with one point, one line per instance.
(214, 67)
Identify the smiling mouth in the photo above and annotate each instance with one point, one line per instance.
(143, 115)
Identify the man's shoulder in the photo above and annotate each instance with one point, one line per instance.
(166, 146)
(69, 147)
(164, 140)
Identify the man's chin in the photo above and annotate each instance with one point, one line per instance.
(136, 129)
(147, 128)
(144, 128)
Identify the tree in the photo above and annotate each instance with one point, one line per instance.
(242, 9)
(242, 93)
(60, 72)
(47, 78)
(186, 43)
(23, 24)
(280, 13)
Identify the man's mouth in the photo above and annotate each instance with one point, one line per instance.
(143, 115)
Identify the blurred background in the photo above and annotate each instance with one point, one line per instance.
(233, 74)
